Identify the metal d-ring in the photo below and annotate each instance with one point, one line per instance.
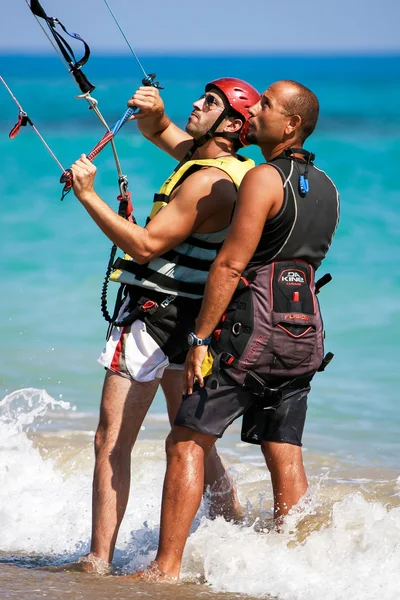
(236, 328)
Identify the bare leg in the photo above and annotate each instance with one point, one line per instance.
(289, 481)
(224, 501)
(124, 405)
(183, 489)
(172, 386)
(223, 497)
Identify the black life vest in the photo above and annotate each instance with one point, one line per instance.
(273, 327)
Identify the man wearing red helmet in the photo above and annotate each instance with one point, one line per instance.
(162, 279)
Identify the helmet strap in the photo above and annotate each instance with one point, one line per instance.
(227, 135)
(211, 133)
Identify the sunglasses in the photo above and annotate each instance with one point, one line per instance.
(209, 100)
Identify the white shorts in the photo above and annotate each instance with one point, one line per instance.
(132, 352)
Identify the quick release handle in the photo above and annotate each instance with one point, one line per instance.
(66, 179)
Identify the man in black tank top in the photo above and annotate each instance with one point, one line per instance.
(261, 312)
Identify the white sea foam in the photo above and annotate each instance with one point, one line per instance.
(356, 556)
(38, 506)
(45, 509)
(341, 544)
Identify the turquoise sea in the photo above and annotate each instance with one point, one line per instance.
(53, 260)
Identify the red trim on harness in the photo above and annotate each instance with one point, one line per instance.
(230, 360)
(292, 334)
(217, 334)
(246, 283)
(148, 305)
(292, 316)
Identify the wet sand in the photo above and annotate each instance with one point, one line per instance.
(30, 584)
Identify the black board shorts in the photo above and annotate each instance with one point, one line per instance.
(211, 411)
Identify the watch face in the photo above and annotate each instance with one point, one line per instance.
(193, 340)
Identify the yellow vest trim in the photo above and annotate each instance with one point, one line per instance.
(232, 166)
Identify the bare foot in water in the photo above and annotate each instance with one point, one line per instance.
(90, 563)
(151, 574)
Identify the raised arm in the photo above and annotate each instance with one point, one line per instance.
(155, 125)
(192, 207)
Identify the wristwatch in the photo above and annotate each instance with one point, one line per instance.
(193, 340)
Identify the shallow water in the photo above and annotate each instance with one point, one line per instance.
(349, 522)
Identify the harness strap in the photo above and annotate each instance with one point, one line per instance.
(203, 244)
(149, 307)
(327, 359)
(143, 271)
(161, 198)
(270, 397)
(187, 261)
(322, 281)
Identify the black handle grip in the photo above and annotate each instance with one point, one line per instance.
(84, 84)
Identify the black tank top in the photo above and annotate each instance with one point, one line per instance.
(305, 224)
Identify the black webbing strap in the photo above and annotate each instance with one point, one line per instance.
(322, 281)
(193, 241)
(161, 280)
(161, 198)
(187, 261)
(327, 359)
(75, 65)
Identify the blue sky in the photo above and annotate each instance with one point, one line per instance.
(216, 26)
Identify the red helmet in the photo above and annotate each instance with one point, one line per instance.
(240, 96)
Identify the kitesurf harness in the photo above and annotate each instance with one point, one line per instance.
(271, 338)
(183, 270)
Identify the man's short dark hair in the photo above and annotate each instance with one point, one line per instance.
(305, 104)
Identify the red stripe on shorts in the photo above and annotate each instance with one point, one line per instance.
(117, 354)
